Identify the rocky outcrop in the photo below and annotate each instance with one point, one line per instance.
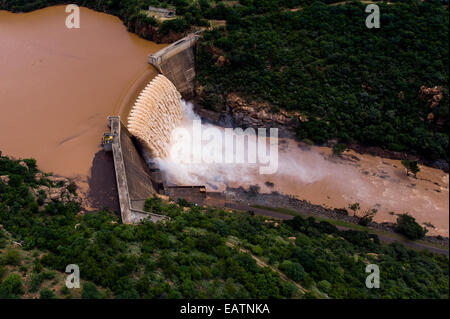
(221, 61)
(432, 97)
(259, 114)
(57, 189)
(153, 33)
(4, 179)
(238, 112)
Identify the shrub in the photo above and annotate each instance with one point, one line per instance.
(46, 294)
(339, 148)
(153, 205)
(35, 282)
(2, 272)
(368, 217)
(253, 190)
(11, 287)
(64, 290)
(407, 225)
(289, 290)
(324, 286)
(31, 163)
(72, 187)
(183, 203)
(293, 270)
(411, 166)
(12, 257)
(89, 291)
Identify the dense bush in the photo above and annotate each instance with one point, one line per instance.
(353, 83)
(90, 291)
(190, 256)
(408, 226)
(46, 294)
(293, 270)
(11, 287)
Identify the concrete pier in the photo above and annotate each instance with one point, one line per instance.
(177, 63)
(134, 182)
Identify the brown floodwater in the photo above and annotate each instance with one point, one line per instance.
(377, 183)
(58, 85)
(314, 174)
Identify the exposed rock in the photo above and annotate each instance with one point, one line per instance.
(431, 95)
(18, 244)
(221, 61)
(199, 89)
(22, 163)
(258, 114)
(152, 33)
(55, 193)
(4, 179)
(58, 180)
(163, 197)
(43, 188)
(59, 192)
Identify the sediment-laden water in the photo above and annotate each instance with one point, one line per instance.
(314, 174)
(58, 85)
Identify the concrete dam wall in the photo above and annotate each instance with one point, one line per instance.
(177, 63)
(137, 180)
(155, 113)
(133, 178)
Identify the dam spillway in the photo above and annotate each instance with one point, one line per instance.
(155, 114)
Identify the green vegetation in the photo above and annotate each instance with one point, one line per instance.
(90, 291)
(197, 254)
(339, 148)
(353, 83)
(362, 227)
(411, 166)
(293, 270)
(367, 217)
(408, 226)
(47, 294)
(354, 207)
(11, 287)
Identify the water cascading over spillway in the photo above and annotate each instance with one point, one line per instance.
(155, 114)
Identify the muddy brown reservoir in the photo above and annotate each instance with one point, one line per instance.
(58, 85)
